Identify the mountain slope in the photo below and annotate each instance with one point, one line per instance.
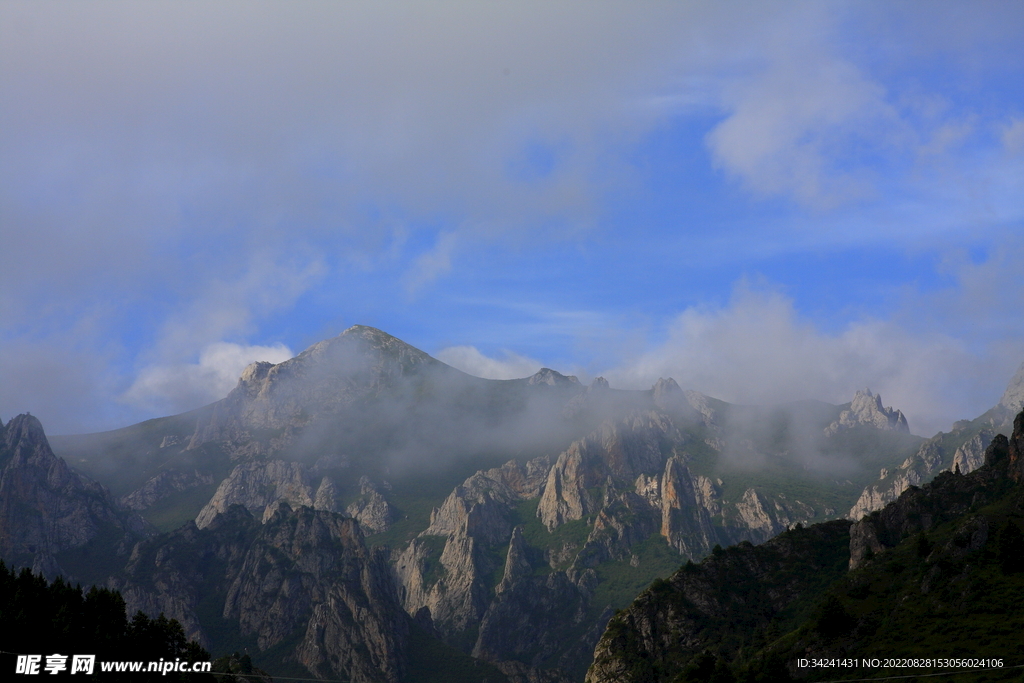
(301, 592)
(937, 573)
(961, 449)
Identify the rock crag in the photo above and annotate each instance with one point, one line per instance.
(46, 508)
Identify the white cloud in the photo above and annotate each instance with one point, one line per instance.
(760, 350)
(792, 125)
(471, 361)
(177, 388)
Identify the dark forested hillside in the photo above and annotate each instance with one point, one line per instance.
(43, 618)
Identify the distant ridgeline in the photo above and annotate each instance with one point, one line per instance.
(938, 573)
(365, 511)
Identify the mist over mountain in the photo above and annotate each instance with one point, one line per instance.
(504, 520)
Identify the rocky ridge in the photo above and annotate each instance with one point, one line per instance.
(962, 447)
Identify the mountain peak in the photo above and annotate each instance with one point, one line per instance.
(371, 335)
(867, 409)
(23, 429)
(363, 339)
(552, 378)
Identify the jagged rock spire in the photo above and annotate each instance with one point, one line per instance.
(866, 409)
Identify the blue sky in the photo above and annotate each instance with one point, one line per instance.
(767, 202)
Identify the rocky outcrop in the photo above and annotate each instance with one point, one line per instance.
(305, 575)
(372, 509)
(46, 508)
(261, 486)
(621, 450)
(920, 467)
(866, 409)
(971, 455)
(687, 506)
(552, 378)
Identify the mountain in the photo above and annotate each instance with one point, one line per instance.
(363, 402)
(515, 516)
(939, 570)
(961, 449)
(594, 491)
(53, 519)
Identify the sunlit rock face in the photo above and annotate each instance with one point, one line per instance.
(866, 409)
(371, 510)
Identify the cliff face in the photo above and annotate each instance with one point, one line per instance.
(46, 508)
(304, 578)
